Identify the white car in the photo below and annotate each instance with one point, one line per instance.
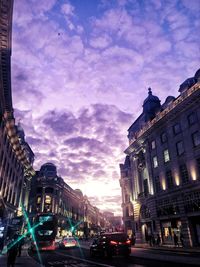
(68, 242)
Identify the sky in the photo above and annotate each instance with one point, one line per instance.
(80, 74)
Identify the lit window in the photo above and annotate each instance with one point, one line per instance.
(163, 137)
(196, 138)
(38, 200)
(155, 162)
(47, 199)
(153, 144)
(192, 118)
(166, 155)
(177, 128)
(180, 148)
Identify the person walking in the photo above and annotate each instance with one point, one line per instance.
(158, 240)
(20, 244)
(182, 239)
(1, 244)
(12, 252)
(175, 240)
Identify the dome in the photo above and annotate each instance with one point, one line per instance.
(48, 169)
(151, 106)
(187, 84)
(79, 192)
(151, 98)
(168, 100)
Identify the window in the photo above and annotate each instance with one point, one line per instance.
(38, 200)
(169, 179)
(146, 188)
(163, 137)
(192, 118)
(184, 173)
(153, 144)
(155, 162)
(47, 199)
(177, 128)
(180, 148)
(166, 155)
(196, 138)
(157, 184)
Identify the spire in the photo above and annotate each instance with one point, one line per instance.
(150, 92)
(151, 105)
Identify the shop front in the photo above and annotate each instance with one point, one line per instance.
(195, 230)
(168, 229)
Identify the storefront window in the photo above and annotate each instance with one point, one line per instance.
(47, 199)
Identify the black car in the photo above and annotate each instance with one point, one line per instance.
(111, 244)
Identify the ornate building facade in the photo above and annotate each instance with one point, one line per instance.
(16, 157)
(74, 211)
(160, 178)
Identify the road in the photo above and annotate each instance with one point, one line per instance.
(79, 257)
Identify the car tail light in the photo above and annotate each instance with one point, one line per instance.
(128, 242)
(113, 242)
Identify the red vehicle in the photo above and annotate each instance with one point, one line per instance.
(45, 233)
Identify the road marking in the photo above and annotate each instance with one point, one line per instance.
(88, 261)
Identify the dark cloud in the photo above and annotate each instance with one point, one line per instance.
(21, 77)
(61, 123)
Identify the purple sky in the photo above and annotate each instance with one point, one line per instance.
(80, 73)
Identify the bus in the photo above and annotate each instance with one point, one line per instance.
(46, 231)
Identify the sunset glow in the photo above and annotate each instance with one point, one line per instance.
(80, 74)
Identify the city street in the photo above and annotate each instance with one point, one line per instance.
(139, 257)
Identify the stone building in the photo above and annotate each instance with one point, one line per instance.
(160, 178)
(74, 211)
(16, 157)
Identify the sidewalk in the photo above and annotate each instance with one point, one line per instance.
(168, 248)
(24, 260)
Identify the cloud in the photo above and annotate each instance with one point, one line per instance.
(80, 75)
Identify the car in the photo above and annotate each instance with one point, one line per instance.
(111, 244)
(68, 242)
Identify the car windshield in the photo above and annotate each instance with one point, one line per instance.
(69, 239)
(116, 237)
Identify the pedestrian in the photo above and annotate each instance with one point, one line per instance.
(20, 244)
(175, 240)
(133, 238)
(1, 243)
(158, 240)
(182, 239)
(12, 252)
(153, 240)
(150, 240)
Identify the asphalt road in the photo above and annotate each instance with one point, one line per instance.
(79, 257)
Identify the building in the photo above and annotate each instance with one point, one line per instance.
(16, 157)
(114, 223)
(160, 178)
(74, 211)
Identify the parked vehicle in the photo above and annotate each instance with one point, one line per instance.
(111, 244)
(68, 242)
